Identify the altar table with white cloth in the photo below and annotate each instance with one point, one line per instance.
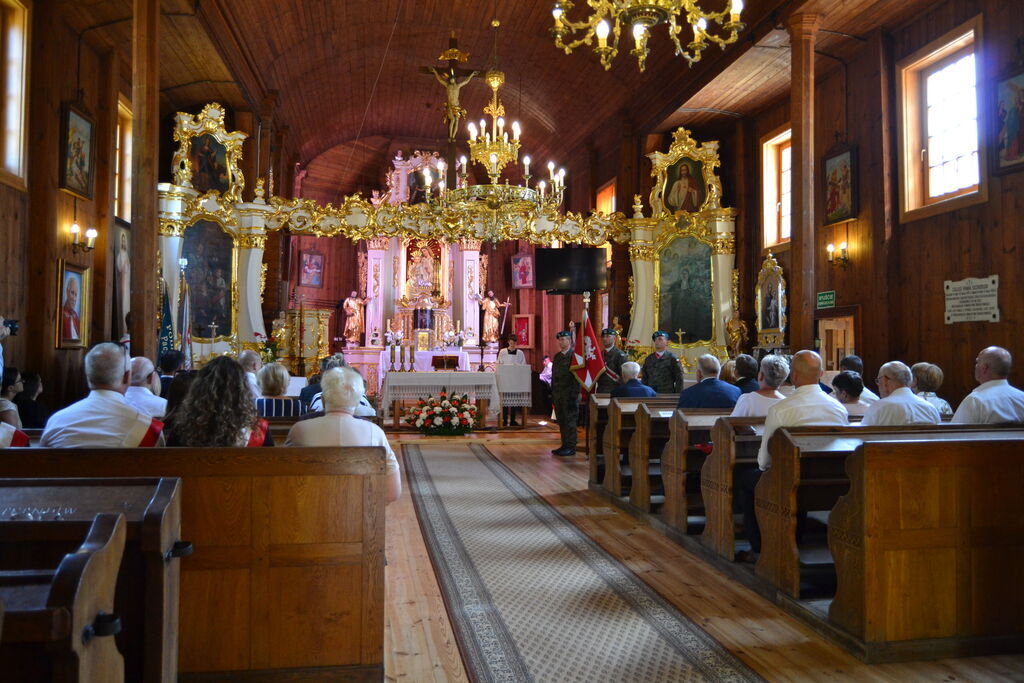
(514, 385)
(423, 361)
(410, 386)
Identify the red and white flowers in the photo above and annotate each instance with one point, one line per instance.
(443, 415)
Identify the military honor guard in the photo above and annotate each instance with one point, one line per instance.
(565, 394)
(614, 357)
(661, 370)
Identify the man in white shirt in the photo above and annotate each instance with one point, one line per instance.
(251, 363)
(994, 401)
(808, 405)
(103, 419)
(140, 394)
(855, 364)
(898, 404)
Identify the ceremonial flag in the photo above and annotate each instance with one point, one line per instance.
(185, 325)
(166, 328)
(588, 361)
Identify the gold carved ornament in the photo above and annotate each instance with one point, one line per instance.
(263, 279)
(771, 278)
(362, 274)
(210, 121)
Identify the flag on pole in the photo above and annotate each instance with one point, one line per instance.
(185, 325)
(588, 361)
(166, 328)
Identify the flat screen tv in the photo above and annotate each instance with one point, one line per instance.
(571, 271)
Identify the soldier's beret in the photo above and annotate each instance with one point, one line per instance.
(659, 333)
(563, 333)
(608, 330)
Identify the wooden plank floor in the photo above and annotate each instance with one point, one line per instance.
(420, 646)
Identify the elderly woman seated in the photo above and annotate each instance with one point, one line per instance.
(273, 382)
(927, 380)
(848, 386)
(342, 389)
(774, 371)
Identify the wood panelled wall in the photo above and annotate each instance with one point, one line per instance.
(340, 276)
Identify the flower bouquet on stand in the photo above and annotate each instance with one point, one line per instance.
(443, 415)
(269, 347)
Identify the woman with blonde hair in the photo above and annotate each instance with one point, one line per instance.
(272, 380)
(342, 388)
(927, 380)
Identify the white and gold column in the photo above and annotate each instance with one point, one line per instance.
(377, 286)
(468, 289)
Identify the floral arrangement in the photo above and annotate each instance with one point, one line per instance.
(452, 338)
(635, 350)
(393, 338)
(443, 415)
(268, 348)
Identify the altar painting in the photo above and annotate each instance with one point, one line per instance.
(209, 164)
(423, 265)
(209, 251)
(685, 290)
(684, 186)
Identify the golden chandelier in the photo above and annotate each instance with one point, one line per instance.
(643, 15)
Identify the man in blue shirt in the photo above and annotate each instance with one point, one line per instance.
(709, 392)
(631, 386)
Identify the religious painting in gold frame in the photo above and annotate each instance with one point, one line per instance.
(207, 158)
(74, 292)
(211, 273)
(771, 304)
(684, 299)
(686, 180)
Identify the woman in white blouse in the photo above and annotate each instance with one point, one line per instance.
(342, 388)
(774, 371)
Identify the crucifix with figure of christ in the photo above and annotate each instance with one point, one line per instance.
(450, 77)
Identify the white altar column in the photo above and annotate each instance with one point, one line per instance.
(377, 285)
(250, 242)
(642, 257)
(723, 261)
(172, 201)
(467, 292)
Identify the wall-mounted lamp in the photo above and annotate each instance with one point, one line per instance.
(79, 245)
(842, 259)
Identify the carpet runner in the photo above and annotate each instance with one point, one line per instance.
(531, 597)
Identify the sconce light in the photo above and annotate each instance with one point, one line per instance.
(77, 244)
(842, 259)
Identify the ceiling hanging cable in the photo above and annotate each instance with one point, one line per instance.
(373, 90)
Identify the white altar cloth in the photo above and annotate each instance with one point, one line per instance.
(409, 386)
(514, 385)
(423, 360)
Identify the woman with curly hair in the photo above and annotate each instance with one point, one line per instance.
(219, 410)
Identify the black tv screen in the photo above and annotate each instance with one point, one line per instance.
(571, 271)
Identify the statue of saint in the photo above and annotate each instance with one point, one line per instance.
(353, 307)
(735, 334)
(491, 307)
(452, 111)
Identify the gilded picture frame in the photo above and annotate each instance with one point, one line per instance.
(211, 250)
(771, 303)
(686, 263)
(74, 292)
(207, 154)
(686, 178)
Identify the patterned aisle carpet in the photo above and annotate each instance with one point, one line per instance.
(531, 597)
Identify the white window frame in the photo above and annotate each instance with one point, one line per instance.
(772, 191)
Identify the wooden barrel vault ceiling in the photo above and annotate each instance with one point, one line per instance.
(349, 90)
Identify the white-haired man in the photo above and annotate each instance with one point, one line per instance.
(898, 405)
(140, 394)
(808, 405)
(709, 391)
(103, 419)
(994, 401)
(632, 387)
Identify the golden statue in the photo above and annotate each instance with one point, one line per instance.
(617, 326)
(353, 307)
(452, 85)
(736, 333)
(491, 306)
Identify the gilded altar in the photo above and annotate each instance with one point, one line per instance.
(306, 337)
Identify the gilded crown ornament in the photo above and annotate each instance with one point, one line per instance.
(609, 17)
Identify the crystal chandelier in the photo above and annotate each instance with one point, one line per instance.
(609, 16)
(496, 204)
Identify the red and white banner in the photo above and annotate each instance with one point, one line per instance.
(588, 361)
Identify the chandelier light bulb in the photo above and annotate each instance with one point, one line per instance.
(551, 168)
(638, 34)
(427, 178)
(602, 31)
(472, 131)
(462, 160)
(735, 8)
(516, 130)
(557, 14)
(441, 165)
(700, 27)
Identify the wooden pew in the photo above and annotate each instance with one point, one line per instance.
(288, 570)
(650, 435)
(929, 545)
(618, 432)
(597, 420)
(58, 623)
(43, 519)
(736, 442)
(681, 464)
(808, 474)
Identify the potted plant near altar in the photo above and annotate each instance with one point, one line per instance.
(268, 347)
(443, 415)
(452, 338)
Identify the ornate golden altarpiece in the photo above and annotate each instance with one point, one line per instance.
(384, 226)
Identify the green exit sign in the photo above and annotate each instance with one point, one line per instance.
(827, 299)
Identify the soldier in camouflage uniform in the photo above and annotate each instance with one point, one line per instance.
(614, 357)
(565, 394)
(661, 370)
